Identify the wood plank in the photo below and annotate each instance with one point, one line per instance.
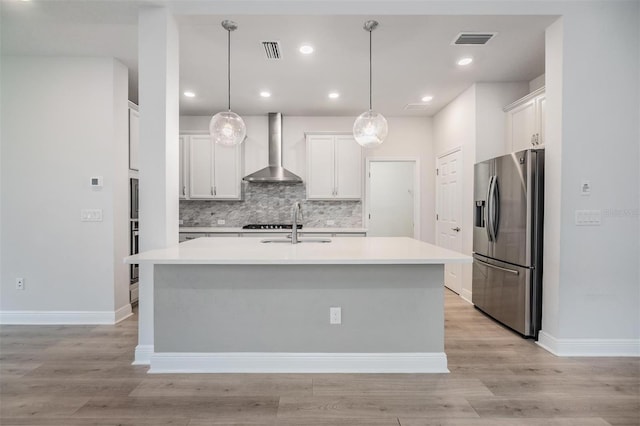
(373, 407)
(597, 406)
(240, 408)
(40, 406)
(225, 385)
(68, 421)
(505, 422)
(422, 385)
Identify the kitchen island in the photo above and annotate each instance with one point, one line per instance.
(241, 305)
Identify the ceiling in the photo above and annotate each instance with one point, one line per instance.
(413, 56)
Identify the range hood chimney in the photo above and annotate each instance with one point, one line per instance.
(274, 172)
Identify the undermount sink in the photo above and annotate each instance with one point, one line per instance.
(300, 240)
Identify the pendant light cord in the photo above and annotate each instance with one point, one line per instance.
(370, 78)
(229, 68)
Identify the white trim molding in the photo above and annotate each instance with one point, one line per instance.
(123, 313)
(65, 317)
(589, 347)
(466, 295)
(279, 362)
(143, 355)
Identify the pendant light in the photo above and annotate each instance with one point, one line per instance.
(227, 127)
(370, 128)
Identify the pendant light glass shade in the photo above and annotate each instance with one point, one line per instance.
(370, 128)
(228, 128)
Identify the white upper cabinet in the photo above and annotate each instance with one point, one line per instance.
(134, 139)
(525, 122)
(215, 171)
(334, 167)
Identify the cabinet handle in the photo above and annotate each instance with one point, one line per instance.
(215, 191)
(184, 190)
(533, 139)
(212, 190)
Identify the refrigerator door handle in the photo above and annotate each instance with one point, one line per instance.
(495, 199)
(510, 271)
(488, 214)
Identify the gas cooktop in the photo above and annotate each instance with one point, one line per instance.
(270, 226)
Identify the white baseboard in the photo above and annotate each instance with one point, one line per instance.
(466, 295)
(277, 362)
(123, 313)
(589, 347)
(64, 317)
(143, 355)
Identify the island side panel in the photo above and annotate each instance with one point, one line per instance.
(285, 308)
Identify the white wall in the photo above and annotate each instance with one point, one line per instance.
(553, 178)
(408, 137)
(491, 121)
(599, 281)
(63, 121)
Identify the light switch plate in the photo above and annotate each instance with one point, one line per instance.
(96, 183)
(585, 187)
(91, 215)
(588, 217)
(331, 222)
(221, 221)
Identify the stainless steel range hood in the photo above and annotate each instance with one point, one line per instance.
(274, 172)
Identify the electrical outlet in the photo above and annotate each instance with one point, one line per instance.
(180, 222)
(221, 221)
(335, 316)
(19, 283)
(331, 222)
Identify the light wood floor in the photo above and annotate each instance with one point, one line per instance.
(81, 375)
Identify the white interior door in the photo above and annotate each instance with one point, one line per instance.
(448, 213)
(391, 199)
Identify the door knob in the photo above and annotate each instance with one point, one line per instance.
(457, 229)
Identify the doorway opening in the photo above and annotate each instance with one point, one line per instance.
(392, 207)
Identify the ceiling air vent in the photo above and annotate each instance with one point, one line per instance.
(473, 38)
(416, 107)
(272, 49)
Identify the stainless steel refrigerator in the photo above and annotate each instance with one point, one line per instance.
(507, 239)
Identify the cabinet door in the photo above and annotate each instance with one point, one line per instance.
(522, 120)
(183, 177)
(540, 115)
(226, 172)
(200, 167)
(348, 161)
(320, 167)
(134, 139)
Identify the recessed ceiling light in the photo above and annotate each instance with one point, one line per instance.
(189, 94)
(334, 95)
(427, 98)
(265, 94)
(465, 61)
(306, 49)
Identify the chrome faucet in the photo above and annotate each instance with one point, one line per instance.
(297, 210)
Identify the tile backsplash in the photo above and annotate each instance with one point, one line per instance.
(271, 203)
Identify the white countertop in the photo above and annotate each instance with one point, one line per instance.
(251, 251)
(223, 230)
